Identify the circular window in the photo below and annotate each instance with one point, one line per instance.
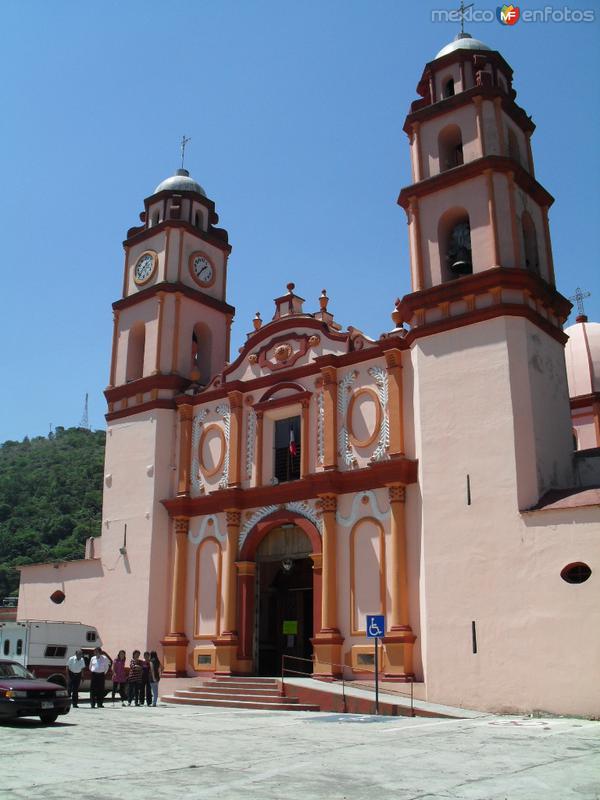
(576, 573)
(57, 597)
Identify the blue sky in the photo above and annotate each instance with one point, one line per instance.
(295, 112)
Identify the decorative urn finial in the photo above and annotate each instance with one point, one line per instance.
(257, 321)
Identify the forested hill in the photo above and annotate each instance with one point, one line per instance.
(50, 499)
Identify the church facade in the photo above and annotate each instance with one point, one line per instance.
(260, 507)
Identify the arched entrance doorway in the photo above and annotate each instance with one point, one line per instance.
(283, 600)
(279, 592)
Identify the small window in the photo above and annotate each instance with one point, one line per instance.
(287, 449)
(19, 647)
(6, 647)
(449, 88)
(203, 660)
(90, 636)
(198, 220)
(576, 573)
(55, 651)
(365, 660)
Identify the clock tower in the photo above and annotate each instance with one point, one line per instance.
(171, 332)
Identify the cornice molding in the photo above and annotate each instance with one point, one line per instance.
(399, 470)
(173, 288)
(474, 169)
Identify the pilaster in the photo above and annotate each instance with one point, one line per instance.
(327, 644)
(226, 644)
(175, 642)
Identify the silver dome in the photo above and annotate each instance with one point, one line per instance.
(180, 182)
(463, 41)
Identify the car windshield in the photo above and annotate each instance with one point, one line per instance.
(12, 670)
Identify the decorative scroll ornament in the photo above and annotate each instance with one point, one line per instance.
(212, 524)
(362, 498)
(302, 508)
(345, 449)
(380, 376)
(320, 427)
(250, 439)
(196, 481)
(224, 411)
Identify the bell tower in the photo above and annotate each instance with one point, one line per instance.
(485, 318)
(172, 324)
(171, 335)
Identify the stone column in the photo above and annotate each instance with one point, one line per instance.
(185, 449)
(400, 639)
(393, 360)
(235, 439)
(246, 578)
(328, 642)
(330, 393)
(175, 642)
(259, 448)
(226, 644)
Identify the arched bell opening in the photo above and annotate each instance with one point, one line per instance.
(280, 598)
(532, 258)
(136, 346)
(201, 353)
(454, 236)
(450, 147)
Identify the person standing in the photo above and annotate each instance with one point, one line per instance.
(119, 676)
(99, 666)
(146, 693)
(75, 666)
(134, 679)
(155, 673)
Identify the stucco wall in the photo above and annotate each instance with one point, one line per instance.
(484, 561)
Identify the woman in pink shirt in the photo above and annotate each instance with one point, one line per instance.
(119, 676)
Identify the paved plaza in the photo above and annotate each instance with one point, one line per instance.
(183, 752)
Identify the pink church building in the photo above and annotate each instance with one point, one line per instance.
(445, 474)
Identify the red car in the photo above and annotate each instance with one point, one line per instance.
(22, 695)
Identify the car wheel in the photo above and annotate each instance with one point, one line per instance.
(49, 717)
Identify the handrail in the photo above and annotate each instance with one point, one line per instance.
(343, 680)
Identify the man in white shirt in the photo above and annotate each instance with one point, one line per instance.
(75, 666)
(99, 666)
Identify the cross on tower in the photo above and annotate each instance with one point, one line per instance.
(184, 141)
(579, 297)
(461, 11)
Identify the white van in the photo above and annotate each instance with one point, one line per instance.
(44, 647)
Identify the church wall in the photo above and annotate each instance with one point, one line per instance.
(484, 561)
(584, 425)
(542, 416)
(123, 595)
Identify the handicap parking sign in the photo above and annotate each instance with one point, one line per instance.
(375, 626)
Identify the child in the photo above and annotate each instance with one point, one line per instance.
(134, 680)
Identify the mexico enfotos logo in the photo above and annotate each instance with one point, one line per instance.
(510, 15)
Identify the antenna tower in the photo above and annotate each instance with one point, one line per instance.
(85, 422)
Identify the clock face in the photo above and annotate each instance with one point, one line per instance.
(144, 268)
(202, 269)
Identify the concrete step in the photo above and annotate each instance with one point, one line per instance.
(218, 687)
(235, 681)
(284, 706)
(260, 698)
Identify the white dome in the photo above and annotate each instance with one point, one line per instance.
(463, 41)
(180, 182)
(582, 354)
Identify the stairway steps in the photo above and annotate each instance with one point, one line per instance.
(268, 699)
(288, 705)
(234, 690)
(247, 682)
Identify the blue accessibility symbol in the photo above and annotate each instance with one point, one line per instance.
(375, 626)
